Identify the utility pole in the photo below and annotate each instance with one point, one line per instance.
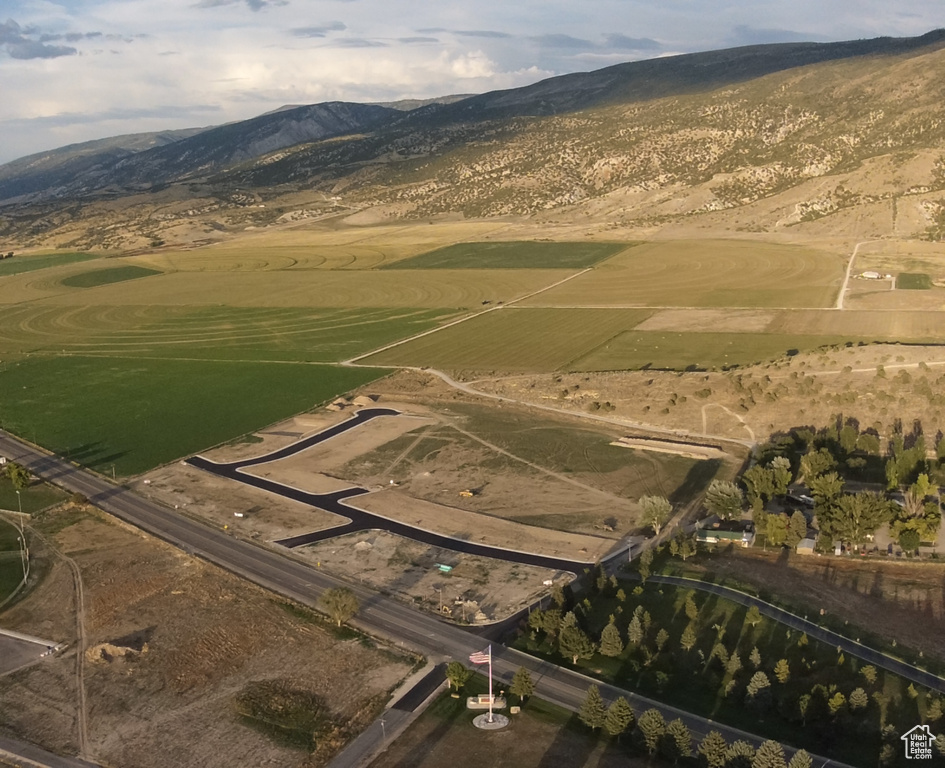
(19, 504)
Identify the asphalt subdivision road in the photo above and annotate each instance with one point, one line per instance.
(361, 520)
(400, 624)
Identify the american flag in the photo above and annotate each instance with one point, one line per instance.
(482, 657)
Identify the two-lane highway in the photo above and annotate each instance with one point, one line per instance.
(378, 615)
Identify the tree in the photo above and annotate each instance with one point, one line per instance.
(758, 685)
(909, 539)
(759, 485)
(643, 564)
(856, 516)
(662, 637)
(769, 755)
(611, 644)
(781, 474)
(688, 639)
(836, 703)
(683, 546)
(635, 630)
(712, 749)
(753, 616)
(592, 712)
(858, 699)
(797, 529)
(755, 657)
(825, 489)
(800, 759)
(619, 717)
(724, 499)
(869, 673)
(782, 671)
(739, 755)
(692, 610)
(651, 726)
(656, 512)
(457, 674)
(816, 463)
(573, 642)
(18, 474)
(340, 604)
(734, 663)
(522, 684)
(776, 530)
(677, 741)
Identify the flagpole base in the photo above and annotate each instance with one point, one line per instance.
(498, 722)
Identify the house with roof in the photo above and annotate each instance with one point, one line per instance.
(739, 532)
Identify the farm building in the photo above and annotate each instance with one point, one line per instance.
(736, 531)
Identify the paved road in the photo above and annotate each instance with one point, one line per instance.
(361, 520)
(23, 755)
(870, 655)
(401, 624)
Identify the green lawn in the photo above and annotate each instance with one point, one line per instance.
(38, 496)
(97, 277)
(11, 566)
(524, 254)
(136, 414)
(913, 281)
(19, 264)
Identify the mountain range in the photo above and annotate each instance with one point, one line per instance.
(766, 136)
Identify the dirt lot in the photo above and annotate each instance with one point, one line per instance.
(171, 643)
(409, 570)
(901, 601)
(874, 384)
(445, 735)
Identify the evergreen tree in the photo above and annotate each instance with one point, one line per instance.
(734, 664)
(573, 642)
(611, 644)
(755, 657)
(692, 610)
(635, 631)
(933, 713)
(662, 637)
(739, 755)
(651, 726)
(858, 699)
(677, 741)
(836, 703)
(781, 474)
(619, 717)
(769, 755)
(782, 671)
(551, 622)
(536, 620)
(797, 529)
(592, 712)
(712, 749)
(522, 684)
(801, 759)
(753, 616)
(643, 564)
(758, 687)
(688, 639)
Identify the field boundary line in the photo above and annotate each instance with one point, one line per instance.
(353, 360)
(846, 277)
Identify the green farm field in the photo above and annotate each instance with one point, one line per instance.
(136, 414)
(19, 264)
(219, 333)
(706, 273)
(512, 255)
(514, 340)
(36, 497)
(97, 277)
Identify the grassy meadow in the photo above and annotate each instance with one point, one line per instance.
(512, 255)
(97, 277)
(20, 264)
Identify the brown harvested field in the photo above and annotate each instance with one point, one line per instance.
(907, 325)
(898, 600)
(716, 320)
(540, 736)
(706, 273)
(171, 643)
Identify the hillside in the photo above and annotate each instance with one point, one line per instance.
(759, 138)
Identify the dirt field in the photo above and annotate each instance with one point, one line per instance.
(171, 642)
(901, 601)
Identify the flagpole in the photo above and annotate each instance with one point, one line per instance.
(490, 683)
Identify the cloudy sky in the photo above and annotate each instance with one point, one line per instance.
(74, 70)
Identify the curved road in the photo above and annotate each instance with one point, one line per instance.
(401, 624)
(361, 520)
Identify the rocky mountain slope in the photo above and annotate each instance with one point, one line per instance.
(758, 138)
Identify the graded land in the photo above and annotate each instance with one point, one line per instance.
(171, 645)
(511, 255)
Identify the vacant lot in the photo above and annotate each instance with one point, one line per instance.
(173, 647)
(108, 276)
(11, 565)
(513, 339)
(512, 255)
(19, 264)
(903, 325)
(706, 273)
(135, 414)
